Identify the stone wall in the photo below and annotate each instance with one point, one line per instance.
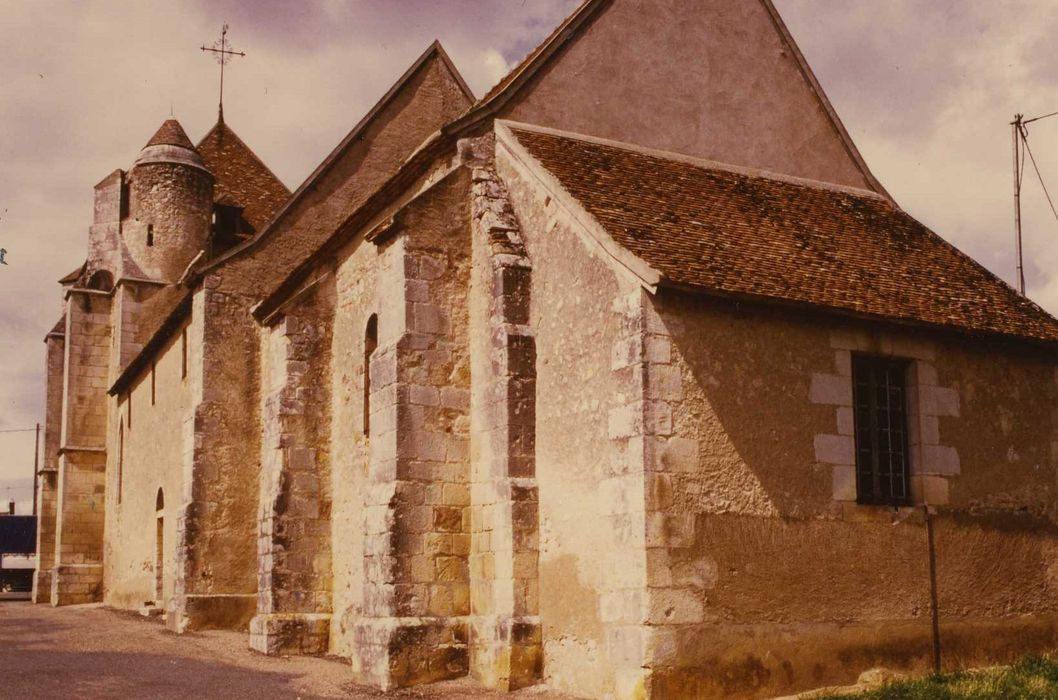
(47, 477)
(144, 460)
(505, 633)
(80, 500)
(591, 515)
(170, 209)
(416, 592)
(766, 575)
(293, 552)
(216, 559)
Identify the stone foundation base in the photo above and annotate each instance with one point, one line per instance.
(290, 633)
(507, 653)
(42, 586)
(395, 652)
(76, 584)
(211, 611)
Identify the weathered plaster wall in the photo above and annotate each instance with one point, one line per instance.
(587, 543)
(145, 455)
(725, 87)
(773, 578)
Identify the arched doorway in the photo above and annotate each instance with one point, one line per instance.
(159, 554)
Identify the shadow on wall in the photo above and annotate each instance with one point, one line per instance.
(791, 590)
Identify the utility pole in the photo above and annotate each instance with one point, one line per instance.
(36, 464)
(1017, 135)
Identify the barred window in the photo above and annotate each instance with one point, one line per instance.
(880, 404)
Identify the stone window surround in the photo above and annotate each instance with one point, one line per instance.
(932, 463)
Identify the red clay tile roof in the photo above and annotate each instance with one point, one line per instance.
(75, 275)
(240, 177)
(765, 237)
(172, 134)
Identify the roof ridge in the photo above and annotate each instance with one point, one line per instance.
(703, 163)
(348, 140)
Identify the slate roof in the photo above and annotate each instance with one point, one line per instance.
(170, 133)
(768, 237)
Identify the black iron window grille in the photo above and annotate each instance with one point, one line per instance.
(880, 419)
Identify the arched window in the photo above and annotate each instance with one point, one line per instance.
(121, 456)
(370, 344)
(159, 551)
(101, 280)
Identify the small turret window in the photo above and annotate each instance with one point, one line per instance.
(150, 235)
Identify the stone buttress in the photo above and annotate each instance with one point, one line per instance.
(505, 626)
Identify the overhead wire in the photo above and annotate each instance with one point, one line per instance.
(1039, 176)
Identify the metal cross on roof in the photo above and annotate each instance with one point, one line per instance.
(222, 52)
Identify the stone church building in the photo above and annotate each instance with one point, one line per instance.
(628, 377)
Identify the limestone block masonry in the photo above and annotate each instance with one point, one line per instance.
(294, 555)
(506, 640)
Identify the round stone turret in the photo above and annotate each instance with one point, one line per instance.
(170, 205)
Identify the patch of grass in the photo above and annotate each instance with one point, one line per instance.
(1031, 678)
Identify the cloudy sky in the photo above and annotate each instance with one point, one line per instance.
(927, 89)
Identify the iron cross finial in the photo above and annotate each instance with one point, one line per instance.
(222, 52)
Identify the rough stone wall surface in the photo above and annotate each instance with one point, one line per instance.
(590, 525)
(505, 625)
(104, 235)
(417, 525)
(766, 574)
(80, 502)
(293, 552)
(217, 524)
(144, 459)
(745, 102)
(48, 483)
(170, 210)
(368, 280)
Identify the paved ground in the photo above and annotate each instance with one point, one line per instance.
(92, 652)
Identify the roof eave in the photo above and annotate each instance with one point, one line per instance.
(151, 347)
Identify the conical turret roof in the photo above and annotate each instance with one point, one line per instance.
(171, 134)
(170, 144)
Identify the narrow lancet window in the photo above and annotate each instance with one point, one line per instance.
(370, 344)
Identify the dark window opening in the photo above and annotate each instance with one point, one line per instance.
(229, 227)
(101, 280)
(152, 383)
(183, 354)
(159, 546)
(880, 419)
(370, 345)
(150, 234)
(123, 205)
(129, 417)
(121, 459)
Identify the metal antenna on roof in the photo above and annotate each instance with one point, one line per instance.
(1021, 147)
(222, 52)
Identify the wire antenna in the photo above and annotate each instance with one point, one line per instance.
(1020, 142)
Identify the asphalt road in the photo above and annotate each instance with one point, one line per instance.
(93, 652)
